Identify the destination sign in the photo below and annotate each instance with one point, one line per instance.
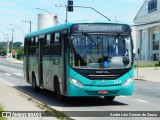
(99, 28)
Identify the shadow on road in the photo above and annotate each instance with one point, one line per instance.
(48, 98)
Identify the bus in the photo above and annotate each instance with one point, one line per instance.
(81, 59)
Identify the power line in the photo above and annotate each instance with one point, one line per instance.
(11, 15)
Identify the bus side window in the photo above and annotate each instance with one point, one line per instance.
(36, 45)
(52, 38)
(30, 46)
(33, 46)
(26, 43)
(57, 37)
(47, 45)
(48, 38)
(56, 44)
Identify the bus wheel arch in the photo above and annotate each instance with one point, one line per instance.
(34, 83)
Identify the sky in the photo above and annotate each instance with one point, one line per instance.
(16, 11)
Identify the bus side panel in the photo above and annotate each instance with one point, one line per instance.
(26, 60)
(40, 61)
(33, 68)
(24, 68)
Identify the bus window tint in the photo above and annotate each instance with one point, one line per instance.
(52, 38)
(57, 37)
(36, 41)
(55, 48)
(48, 38)
(46, 50)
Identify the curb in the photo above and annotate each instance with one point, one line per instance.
(51, 111)
(16, 62)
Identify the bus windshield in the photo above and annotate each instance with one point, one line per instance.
(100, 51)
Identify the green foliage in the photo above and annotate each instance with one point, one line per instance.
(17, 45)
(3, 45)
(1, 109)
(157, 65)
(3, 52)
(20, 53)
(135, 65)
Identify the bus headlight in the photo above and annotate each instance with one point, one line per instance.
(76, 82)
(127, 82)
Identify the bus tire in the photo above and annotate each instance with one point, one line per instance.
(109, 99)
(57, 90)
(34, 84)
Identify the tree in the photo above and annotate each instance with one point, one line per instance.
(17, 45)
(20, 53)
(3, 52)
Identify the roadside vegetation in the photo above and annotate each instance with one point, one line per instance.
(49, 111)
(17, 46)
(1, 109)
(139, 66)
(146, 66)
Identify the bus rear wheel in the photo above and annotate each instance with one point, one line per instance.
(34, 85)
(109, 99)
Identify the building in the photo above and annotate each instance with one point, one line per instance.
(147, 24)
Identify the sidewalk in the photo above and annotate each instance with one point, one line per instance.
(149, 74)
(14, 100)
(14, 61)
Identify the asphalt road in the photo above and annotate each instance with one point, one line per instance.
(146, 97)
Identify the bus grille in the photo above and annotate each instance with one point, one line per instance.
(109, 74)
(102, 76)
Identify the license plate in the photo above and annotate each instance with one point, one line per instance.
(102, 92)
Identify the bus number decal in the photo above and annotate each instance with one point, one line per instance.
(117, 81)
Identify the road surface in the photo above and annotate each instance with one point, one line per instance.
(146, 97)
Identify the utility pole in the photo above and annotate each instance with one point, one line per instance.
(30, 24)
(66, 14)
(7, 42)
(69, 8)
(12, 41)
(7, 45)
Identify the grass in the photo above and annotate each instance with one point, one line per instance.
(1, 109)
(29, 99)
(52, 112)
(146, 66)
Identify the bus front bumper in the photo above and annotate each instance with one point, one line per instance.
(74, 91)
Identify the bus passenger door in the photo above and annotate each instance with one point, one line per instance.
(40, 61)
(64, 57)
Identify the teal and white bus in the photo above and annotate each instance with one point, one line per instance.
(87, 58)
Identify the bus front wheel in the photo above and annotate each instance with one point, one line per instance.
(109, 99)
(58, 91)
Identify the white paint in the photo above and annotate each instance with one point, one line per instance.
(18, 74)
(139, 100)
(123, 96)
(7, 74)
(8, 68)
